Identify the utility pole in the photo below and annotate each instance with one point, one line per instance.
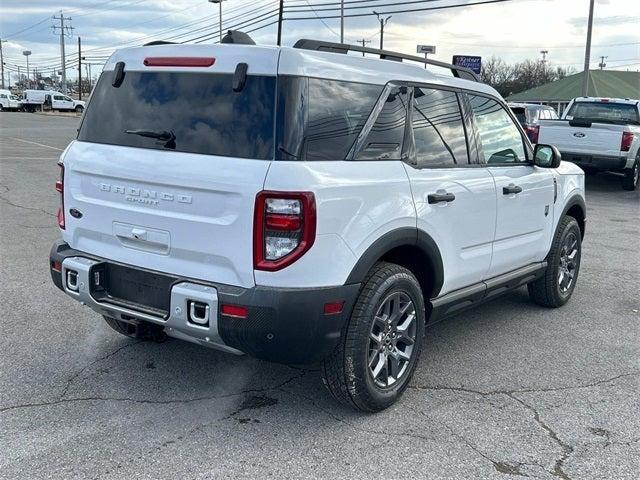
(2, 63)
(364, 42)
(63, 31)
(341, 21)
(280, 14)
(79, 71)
(587, 52)
(602, 64)
(383, 22)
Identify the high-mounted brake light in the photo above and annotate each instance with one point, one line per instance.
(60, 190)
(179, 61)
(627, 140)
(284, 228)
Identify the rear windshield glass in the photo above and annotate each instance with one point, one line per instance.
(185, 112)
(604, 112)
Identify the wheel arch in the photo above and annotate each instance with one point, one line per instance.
(411, 248)
(576, 208)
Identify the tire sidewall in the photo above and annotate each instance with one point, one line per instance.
(357, 369)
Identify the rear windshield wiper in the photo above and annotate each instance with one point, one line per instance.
(160, 135)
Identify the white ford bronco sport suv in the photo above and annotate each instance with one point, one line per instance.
(304, 205)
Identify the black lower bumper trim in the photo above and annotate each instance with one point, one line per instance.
(595, 162)
(284, 325)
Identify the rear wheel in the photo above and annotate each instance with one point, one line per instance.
(631, 176)
(381, 343)
(555, 287)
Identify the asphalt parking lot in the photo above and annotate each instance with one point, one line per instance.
(507, 390)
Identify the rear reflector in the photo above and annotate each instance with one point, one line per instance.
(179, 61)
(234, 311)
(57, 266)
(333, 308)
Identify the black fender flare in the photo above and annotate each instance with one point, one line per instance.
(398, 238)
(574, 200)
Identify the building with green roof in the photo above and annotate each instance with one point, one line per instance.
(602, 83)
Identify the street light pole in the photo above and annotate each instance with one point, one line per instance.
(383, 22)
(341, 21)
(26, 53)
(219, 2)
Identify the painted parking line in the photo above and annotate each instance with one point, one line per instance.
(36, 143)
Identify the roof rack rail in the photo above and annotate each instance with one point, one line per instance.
(321, 46)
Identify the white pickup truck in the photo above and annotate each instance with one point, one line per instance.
(598, 134)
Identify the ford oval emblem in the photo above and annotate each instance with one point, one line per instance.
(579, 135)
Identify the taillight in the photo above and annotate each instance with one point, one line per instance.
(627, 140)
(284, 228)
(60, 189)
(532, 132)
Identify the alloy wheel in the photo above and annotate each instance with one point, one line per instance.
(392, 339)
(568, 262)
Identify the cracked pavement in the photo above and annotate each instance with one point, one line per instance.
(509, 390)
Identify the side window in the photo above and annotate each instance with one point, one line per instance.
(2, 95)
(58, 97)
(438, 129)
(384, 141)
(337, 111)
(500, 139)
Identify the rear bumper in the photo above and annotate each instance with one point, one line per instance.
(284, 325)
(595, 162)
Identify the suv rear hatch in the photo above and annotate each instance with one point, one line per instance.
(167, 165)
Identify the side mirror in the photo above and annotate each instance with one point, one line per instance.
(546, 156)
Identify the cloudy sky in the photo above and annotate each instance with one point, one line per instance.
(513, 30)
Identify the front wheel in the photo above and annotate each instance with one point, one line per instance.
(79, 109)
(381, 342)
(556, 286)
(631, 176)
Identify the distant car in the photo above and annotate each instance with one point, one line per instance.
(599, 134)
(529, 114)
(8, 101)
(34, 99)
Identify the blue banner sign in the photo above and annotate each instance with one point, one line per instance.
(467, 61)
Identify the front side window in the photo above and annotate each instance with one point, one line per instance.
(500, 139)
(184, 112)
(384, 141)
(58, 97)
(438, 129)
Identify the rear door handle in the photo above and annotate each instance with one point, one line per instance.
(511, 189)
(440, 197)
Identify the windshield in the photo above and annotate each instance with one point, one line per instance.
(198, 112)
(604, 112)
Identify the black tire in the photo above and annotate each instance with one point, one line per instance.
(79, 109)
(632, 176)
(1, 107)
(549, 290)
(346, 372)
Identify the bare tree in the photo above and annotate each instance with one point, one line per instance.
(510, 79)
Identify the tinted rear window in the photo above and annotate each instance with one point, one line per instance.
(604, 112)
(320, 119)
(200, 109)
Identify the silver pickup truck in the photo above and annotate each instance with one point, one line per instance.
(598, 134)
